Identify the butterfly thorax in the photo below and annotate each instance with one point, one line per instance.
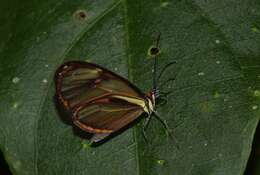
(150, 104)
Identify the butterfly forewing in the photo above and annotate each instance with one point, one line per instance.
(80, 82)
(101, 102)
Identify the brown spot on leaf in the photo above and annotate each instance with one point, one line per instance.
(80, 15)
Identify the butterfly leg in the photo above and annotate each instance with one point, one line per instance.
(145, 125)
(145, 136)
(162, 95)
(167, 82)
(162, 99)
(168, 130)
(164, 123)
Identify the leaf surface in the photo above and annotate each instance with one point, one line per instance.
(212, 109)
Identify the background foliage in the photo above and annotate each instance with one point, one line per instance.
(213, 109)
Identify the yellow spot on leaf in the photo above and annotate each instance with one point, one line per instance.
(45, 81)
(254, 107)
(16, 80)
(15, 105)
(257, 93)
(164, 4)
(254, 92)
(216, 95)
(201, 73)
(255, 29)
(86, 145)
(161, 162)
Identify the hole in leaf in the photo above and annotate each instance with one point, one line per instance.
(154, 51)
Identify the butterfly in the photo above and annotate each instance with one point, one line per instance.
(100, 101)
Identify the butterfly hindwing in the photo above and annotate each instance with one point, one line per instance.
(119, 123)
(106, 115)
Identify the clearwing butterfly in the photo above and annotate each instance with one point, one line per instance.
(100, 101)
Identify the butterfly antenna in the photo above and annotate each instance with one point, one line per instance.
(155, 63)
(165, 68)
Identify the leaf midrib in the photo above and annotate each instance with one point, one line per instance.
(130, 77)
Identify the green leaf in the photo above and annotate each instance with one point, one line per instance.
(212, 109)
